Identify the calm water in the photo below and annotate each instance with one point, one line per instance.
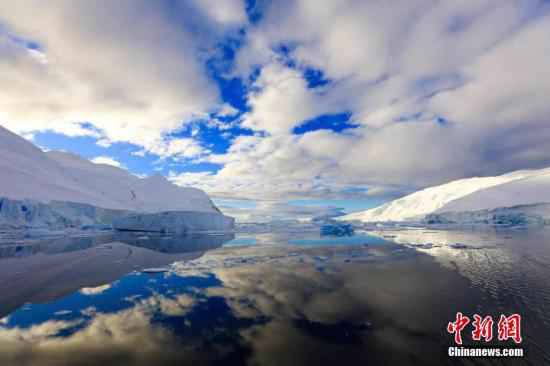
(378, 298)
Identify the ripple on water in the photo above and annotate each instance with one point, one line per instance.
(512, 268)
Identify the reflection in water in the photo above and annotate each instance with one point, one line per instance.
(22, 247)
(173, 243)
(306, 238)
(42, 270)
(512, 268)
(287, 305)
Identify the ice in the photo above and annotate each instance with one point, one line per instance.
(19, 214)
(523, 215)
(30, 173)
(337, 229)
(175, 222)
(57, 190)
(471, 200)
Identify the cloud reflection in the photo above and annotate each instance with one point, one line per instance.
(266, 306)
(91, 291)
(127, 337)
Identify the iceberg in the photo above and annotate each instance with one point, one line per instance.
(175, 222)
(337, 229)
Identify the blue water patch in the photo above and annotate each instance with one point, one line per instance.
(337, 240)
(239, 242)
(119, 296)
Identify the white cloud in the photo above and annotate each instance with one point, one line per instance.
(177, 148)
(275, 166)
(507, 84)
(281, 100)
(440, 90)
(130, 68)
(107, 160)
(190, 178)
(228, 12)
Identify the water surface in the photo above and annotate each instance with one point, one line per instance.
(267, 299)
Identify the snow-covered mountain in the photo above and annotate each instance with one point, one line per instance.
(29, 173)
(533, 188)
(520, 188)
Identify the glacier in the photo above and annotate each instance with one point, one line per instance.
(519, 197)
(57, 190)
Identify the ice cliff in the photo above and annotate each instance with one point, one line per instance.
(175, 222)
(522, 215)
(55, 215)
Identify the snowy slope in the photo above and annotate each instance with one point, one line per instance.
(531, 190)
(27, 172)
(464, 195)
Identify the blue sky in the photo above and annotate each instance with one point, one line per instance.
(273, 105)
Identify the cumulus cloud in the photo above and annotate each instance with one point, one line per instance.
(440, 91)
(271, 167)
(130, 69)
(506, 85)
(176, 148)
(107, 160)
(280, 100)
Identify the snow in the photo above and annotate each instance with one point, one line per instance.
(30, 173)
(57, 190)
(525, 187)
(532, 189)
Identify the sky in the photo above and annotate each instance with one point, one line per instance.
(286, 107)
